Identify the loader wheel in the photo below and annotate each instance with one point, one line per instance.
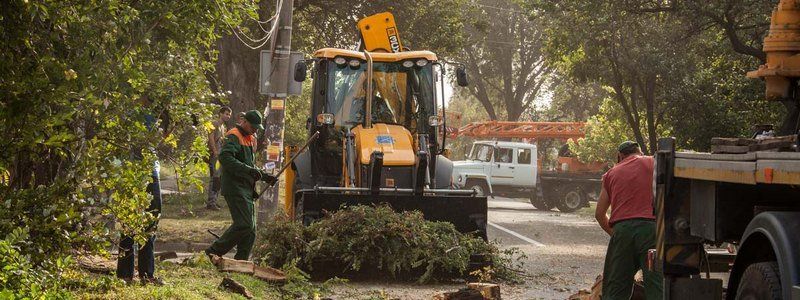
(571, 198)
(539, 202)
(760, 281)
(478, 186)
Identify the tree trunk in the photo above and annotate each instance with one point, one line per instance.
(630, 114)
(479, 90)
(237, 72)
(650, 100)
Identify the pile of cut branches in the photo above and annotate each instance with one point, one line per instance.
(378, 239)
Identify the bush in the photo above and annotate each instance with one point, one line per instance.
(280, 242)
(19, 279)
(380, 239)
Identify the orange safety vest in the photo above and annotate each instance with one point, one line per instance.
(249, 140)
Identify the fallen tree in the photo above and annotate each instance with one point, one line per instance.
(379, 240)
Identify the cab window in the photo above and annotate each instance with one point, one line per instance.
(524, 156)
(482, 153)
(504, 155)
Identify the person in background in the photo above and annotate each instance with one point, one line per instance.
(215, 138)
(127, 245)
(628, 189)
(239, 177)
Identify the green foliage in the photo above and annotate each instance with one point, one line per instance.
(573, 100)
(461, 110)
(19, 278)
(197, 278)
(75, 79)
(365, 238)
(51, 225)
(434, 25)
(604, 132)
(504, 54)
(299, 286)
(280, 241)
(671, 69)
(298, 110)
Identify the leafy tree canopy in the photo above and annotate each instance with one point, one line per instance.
(76, 81)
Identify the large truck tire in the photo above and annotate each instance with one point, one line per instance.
(479, 186)
(760, 281)
(539, 202)
(570, 198)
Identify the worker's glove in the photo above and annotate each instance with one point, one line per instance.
(269, 179)
(256, 174)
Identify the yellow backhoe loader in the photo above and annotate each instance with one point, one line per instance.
(387, 149)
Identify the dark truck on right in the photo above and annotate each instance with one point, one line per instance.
(744, 195)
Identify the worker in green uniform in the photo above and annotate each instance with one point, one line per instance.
(238, 179)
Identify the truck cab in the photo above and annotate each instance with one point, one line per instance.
(497, 167)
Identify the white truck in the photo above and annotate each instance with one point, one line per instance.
(511, 169)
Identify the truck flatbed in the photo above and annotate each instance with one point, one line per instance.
(749, 168)
(575, 176)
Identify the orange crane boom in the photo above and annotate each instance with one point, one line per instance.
(524, 130)
(533, 131)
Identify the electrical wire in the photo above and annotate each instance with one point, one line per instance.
(261, 41)
(259, 22)
(262, 27)
(226, 11)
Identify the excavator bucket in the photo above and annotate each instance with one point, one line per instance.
(467, 213)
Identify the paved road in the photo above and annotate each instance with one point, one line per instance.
(565, 250)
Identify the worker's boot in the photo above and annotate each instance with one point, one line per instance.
(212, 257)
(152, 280)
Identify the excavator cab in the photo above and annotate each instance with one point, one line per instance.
(380, 138)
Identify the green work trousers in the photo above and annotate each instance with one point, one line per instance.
(242, 233)
(627, 253)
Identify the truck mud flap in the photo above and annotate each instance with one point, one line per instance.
(467, 213)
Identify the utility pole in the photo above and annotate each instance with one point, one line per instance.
(279, 82)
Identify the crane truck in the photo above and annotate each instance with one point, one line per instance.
(513, 169)
(379, 142)
(748, 199)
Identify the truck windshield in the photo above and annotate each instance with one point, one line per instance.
(481, 152)
(403, 95)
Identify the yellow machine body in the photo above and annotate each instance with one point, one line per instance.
(377, 57)
(389, 156)
(394, 141)
(288, 187)
(782, 46)
(379, 33)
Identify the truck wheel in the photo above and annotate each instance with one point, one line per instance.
(571, 198)
(480, 187)
(539, 202)
(760, 281)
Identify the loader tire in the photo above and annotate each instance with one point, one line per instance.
(570, 199)
(479, 186)
(760, 281)
(540, 203)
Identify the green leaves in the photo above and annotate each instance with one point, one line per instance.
(669, 69)
(367, 238)
(72, 116)
(434, 25)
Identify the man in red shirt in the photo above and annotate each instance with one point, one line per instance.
(628, 190)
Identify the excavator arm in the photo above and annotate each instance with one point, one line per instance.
(379, 33)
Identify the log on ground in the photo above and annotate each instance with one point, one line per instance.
(233, 286)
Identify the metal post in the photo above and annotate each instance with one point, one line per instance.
(279, 81)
